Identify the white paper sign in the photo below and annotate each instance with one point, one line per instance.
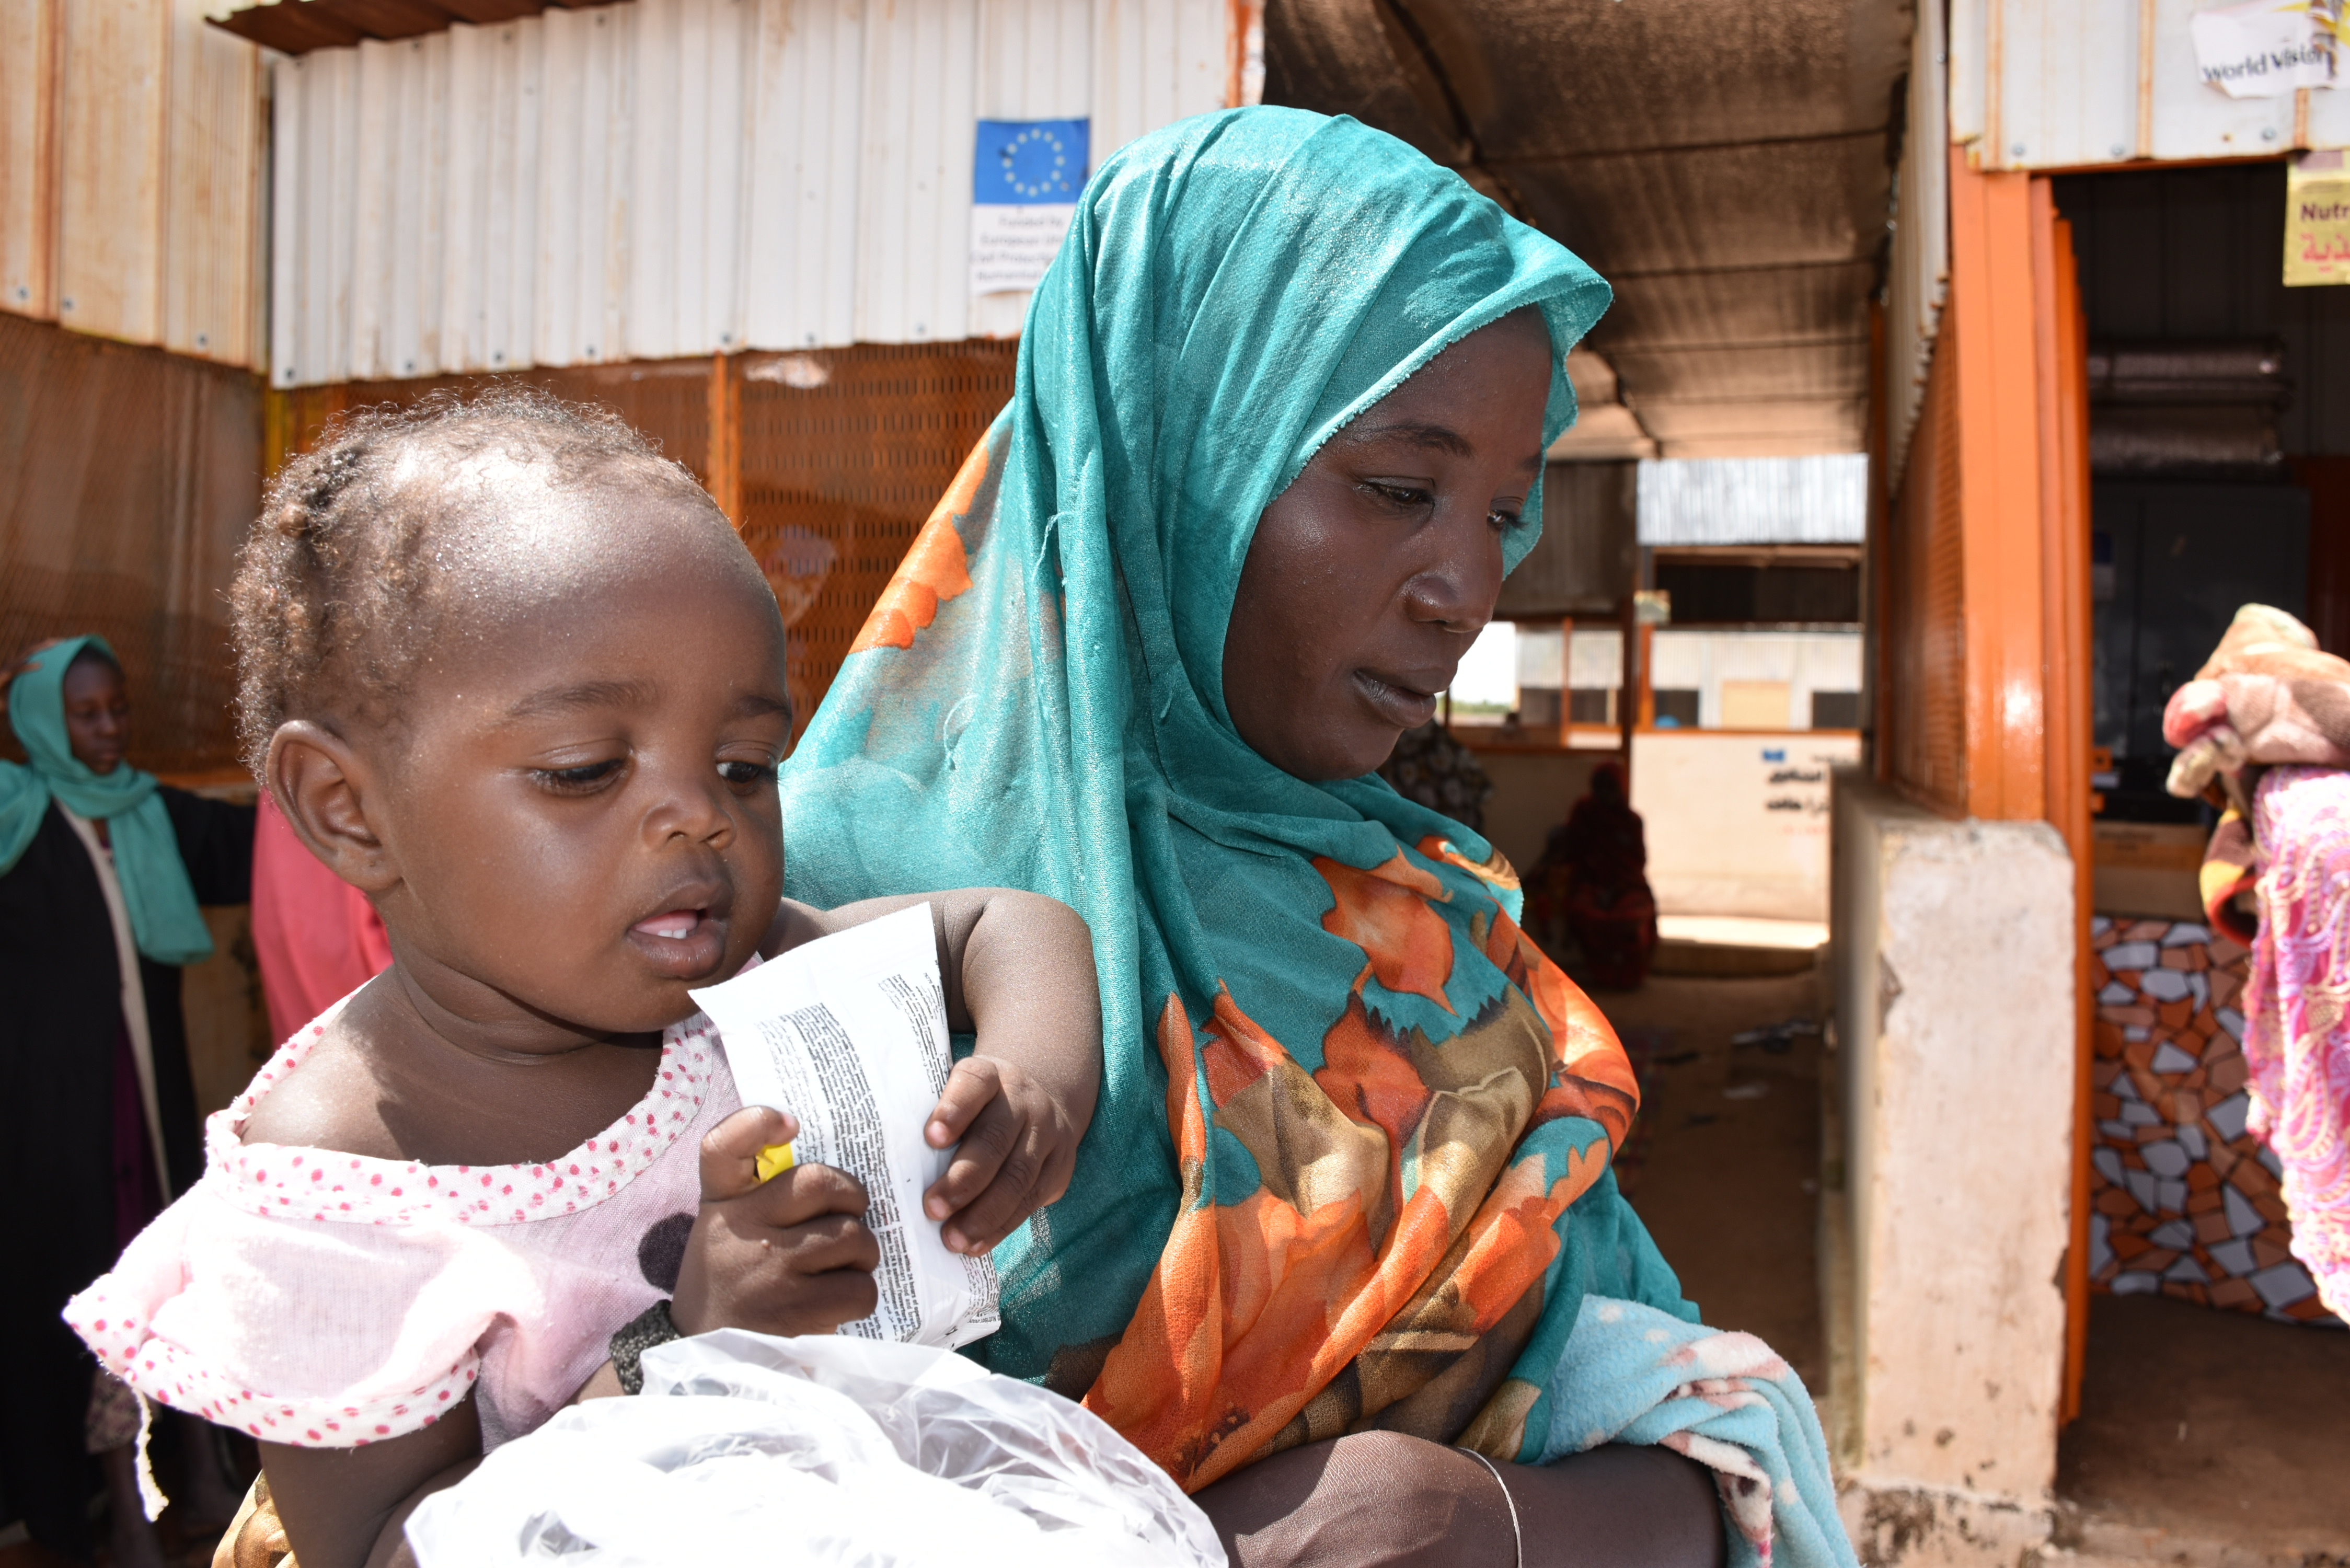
(849, 1034)
(2266, 48)
(1012, 247)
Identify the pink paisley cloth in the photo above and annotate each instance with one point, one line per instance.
(2297, 1010)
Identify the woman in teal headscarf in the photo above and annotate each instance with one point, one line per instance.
(1277, 435)
(101, 871)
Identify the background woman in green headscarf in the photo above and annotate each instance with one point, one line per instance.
(1277, 435)
(101, 871)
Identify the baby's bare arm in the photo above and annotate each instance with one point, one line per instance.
(1018, 971)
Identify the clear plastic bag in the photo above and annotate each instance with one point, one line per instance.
(812, 1452)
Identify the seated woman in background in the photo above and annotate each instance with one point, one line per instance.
(1343, 1251)
(1592, 876)
(101, 871)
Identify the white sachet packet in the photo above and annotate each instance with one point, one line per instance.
(849, 1033)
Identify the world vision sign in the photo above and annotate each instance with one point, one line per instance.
(2267, 48)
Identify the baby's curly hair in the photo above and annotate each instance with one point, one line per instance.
(335, 588)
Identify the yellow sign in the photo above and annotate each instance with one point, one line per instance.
(2317, 219)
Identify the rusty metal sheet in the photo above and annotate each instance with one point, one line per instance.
(1801, 370)
(1715, 208)
(1725, 168)
(1810, 302)
(30, 36)
(1756, 428)
(298, 27)
(126, 487)
(215, 155)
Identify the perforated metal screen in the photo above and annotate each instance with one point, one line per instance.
(1922, 716)
(840, 470)
(128, 478)
(838, 456)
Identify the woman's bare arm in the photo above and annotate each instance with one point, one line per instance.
(344, 1507)
(1381, 1500)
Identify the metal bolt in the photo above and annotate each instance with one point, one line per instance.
(204, 340)
(591, 350)
(408, 367)
(2268, 133)
(2016, 151)
(500, 356)
(23, 293)
(66, 303)
(2118, 150)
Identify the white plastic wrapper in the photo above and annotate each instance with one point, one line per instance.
(816, 1451)
(849, 1034)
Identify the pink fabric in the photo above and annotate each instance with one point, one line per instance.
(317, 937)
(2297, 1032)
(328, 1300)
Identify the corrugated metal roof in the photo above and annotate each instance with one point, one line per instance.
(1725, 168)
(298, 27)
(1820, 499)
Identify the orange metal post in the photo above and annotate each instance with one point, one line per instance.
(2061, 336)
(726, 437)
(1992, 295)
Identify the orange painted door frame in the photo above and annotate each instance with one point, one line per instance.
(2016, 326)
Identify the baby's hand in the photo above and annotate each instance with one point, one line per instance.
(789, 1255)
(1019, 1144)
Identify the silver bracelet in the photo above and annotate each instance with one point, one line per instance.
(1516, 1532)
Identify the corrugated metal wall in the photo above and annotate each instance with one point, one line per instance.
(128, 478)
(1921, 695)
(131, 153)
(2071, 84)
(674, 177)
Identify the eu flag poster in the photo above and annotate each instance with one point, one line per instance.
(1026, 177)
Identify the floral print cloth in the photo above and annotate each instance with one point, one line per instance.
(1631, 1373)
(2296, 1034)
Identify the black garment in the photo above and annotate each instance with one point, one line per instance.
(61, 1020)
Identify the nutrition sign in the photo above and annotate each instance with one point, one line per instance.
(2317, 219)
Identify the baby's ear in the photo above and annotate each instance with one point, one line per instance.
(322, 787)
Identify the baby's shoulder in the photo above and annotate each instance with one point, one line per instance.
(326, 1099)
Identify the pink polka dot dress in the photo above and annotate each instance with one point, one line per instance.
(329, 1300)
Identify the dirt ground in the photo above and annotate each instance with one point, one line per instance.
(2205, 1437)
(2213, 1427)
(1726, 1174)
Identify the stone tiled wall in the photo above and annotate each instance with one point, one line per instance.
(2184, 1199)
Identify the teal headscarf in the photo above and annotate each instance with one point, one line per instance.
(1329, 1054)
(164, 919)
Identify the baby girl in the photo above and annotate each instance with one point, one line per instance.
(513, 677)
